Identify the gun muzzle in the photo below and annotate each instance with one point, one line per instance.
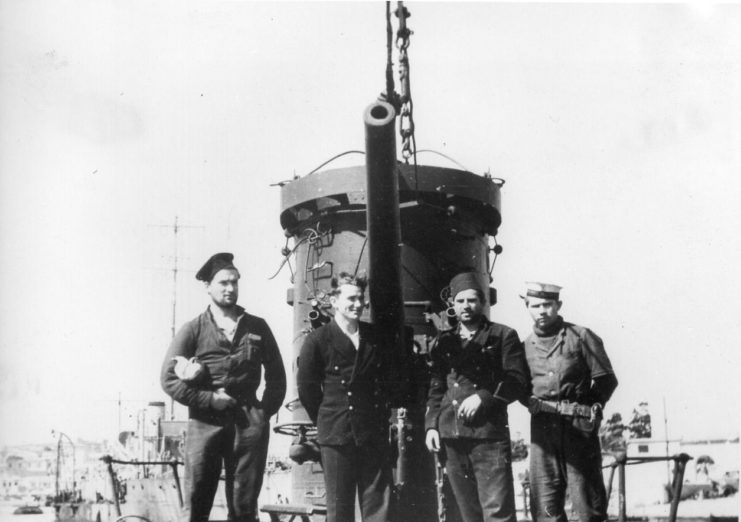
(451, 317)
(316, 319)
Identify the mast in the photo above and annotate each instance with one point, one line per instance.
(174, 274)
(666, 442)
(176, 227)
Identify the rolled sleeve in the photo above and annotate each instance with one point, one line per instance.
(593, 350)
(602, 375)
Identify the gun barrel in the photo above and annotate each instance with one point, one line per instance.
(384, 227)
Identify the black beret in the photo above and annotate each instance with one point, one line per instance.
(465, 281)
(215, 263)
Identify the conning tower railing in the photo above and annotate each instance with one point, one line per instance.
(622, 460)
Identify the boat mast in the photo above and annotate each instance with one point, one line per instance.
(176, 227)
(666, 442)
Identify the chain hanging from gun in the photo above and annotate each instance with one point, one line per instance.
(402, 102)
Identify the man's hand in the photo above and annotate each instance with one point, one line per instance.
(432, 440)
(469, 407)
(220, 400)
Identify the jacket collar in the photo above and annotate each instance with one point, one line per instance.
(240, 312)
(343, 346)
(558, 339)
(480, 332)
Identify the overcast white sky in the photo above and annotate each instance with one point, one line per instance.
(617, 128)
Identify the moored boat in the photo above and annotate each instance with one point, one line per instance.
(28, 510)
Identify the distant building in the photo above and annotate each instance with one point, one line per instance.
(652, 447)
(30, 470)
(27, 471)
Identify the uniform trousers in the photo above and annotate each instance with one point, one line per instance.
(561, 457)
(480, 475)
(242, 447)
(363, 469)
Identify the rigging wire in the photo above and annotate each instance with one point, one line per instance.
(446, 157)
(330, 160)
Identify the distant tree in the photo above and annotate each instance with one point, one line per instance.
(611, 433)
(640, 424)
(519, 449)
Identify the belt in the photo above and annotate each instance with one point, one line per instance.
(565, 408)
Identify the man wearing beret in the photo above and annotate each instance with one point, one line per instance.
(571, 380)
(214, 367)
(477, 369)
(342, 374)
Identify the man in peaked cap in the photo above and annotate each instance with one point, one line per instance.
(214, 366)
(477, 369)
(571, 380)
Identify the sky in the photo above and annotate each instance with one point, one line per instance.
(616, 128)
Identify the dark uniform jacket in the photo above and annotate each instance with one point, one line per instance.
(570, 366)
(492, 364)
(234, 365)
(344, 390)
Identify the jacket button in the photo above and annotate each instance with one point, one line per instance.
(455, 384)
(336, 368)
(343, 381)
(550, 373)
(351, 408)
(349, 393)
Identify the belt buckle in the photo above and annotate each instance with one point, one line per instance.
(566, 408)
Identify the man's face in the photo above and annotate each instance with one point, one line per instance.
(224, 288)
(468, 306)
(349, 302)
(543, 311)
